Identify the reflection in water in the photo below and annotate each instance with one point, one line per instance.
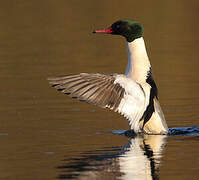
(138, 159)
(141, 158)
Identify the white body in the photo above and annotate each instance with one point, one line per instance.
(137, 71)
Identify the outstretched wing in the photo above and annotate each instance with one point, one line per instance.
(116, 92)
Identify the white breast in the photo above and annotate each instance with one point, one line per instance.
(134, 102)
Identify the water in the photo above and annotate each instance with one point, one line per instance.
(45, 135)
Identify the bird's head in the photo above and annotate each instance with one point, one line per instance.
(130, 29)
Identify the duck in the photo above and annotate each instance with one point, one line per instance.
(133, 94)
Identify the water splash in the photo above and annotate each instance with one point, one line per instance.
(176, 131)
(183, 131)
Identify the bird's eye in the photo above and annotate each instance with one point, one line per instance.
(118, 26)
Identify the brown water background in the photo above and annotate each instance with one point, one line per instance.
(44, 134)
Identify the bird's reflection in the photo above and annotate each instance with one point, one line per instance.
(138, 159)
(141, 157)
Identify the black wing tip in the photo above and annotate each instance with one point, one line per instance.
(54, 85)
(60, 89)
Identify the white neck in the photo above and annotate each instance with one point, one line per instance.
(138, 61)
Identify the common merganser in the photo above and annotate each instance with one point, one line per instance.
(133, 94)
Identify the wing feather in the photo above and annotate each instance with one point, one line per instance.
(116, 92)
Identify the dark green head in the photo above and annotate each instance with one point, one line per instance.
(130, 29)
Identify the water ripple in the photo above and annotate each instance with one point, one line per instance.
(176, 131)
